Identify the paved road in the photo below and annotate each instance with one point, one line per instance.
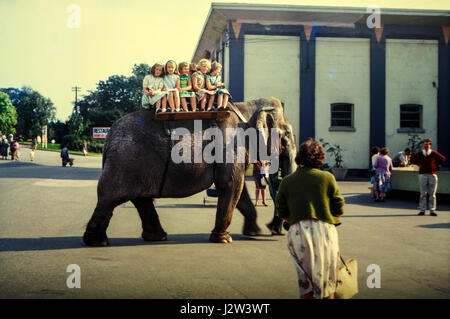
(44, 209)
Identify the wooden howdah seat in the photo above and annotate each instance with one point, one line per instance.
(191, 115)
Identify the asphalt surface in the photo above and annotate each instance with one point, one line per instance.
(44, 209)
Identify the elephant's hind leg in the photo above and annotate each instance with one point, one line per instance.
(247, 209)
(95, 234)
(151, 227)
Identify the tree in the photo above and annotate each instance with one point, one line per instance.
(33, 110)
(8, 115)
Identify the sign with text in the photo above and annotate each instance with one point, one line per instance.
(100, 132)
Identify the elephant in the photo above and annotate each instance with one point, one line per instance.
(137, 167)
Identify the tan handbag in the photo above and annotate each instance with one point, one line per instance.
(347, 280)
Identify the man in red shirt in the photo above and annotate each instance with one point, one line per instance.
(428, 161)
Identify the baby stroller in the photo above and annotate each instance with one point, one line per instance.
(67, 160)
(211, 192)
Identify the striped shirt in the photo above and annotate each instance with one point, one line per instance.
(170, 81)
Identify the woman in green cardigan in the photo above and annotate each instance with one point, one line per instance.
(310, 201)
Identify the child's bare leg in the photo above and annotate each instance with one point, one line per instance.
(177, 99)
(225, 100)
(158, 104)
(210, 102)
(203, 101)
(171, 101)
(220, 100)
(164, 101)
(193, 103)
(184, 104)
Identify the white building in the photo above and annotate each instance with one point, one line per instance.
(340, 78)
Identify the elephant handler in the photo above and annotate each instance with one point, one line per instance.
(274, 183)
(309, 199)
(428, 161)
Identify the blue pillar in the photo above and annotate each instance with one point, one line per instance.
(307, 87)
(377, 91)
(444, 101)
(236, 65)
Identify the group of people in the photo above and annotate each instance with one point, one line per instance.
(11, 144)
(428, 161)
(177, 84)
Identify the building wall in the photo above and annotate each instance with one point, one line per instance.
(271, 68)
(343, 75)
(411, 69)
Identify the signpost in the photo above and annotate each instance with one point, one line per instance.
(100, 132)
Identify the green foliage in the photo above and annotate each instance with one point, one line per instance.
(57, 130)
(33, 111)
(95, 147)
(8, 115)
(415, 143)
(73, 142)
(335, 150)
(75, 124)
(113, 98)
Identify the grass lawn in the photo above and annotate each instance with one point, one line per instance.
(57, 148)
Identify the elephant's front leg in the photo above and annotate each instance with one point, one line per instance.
(229, 195)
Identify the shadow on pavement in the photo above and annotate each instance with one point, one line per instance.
(56, 243)
(442, 225)
(378, 215)
(32, 170)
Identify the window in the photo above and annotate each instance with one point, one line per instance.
(341, 115)
(410, 116)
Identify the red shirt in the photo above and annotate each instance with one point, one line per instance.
(428, 164)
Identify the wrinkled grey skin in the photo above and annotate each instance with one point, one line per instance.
(134, 159)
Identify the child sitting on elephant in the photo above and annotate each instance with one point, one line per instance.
(152, 86)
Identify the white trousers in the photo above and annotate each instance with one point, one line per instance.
(428, 184)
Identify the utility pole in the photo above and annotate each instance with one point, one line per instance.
(76, 89)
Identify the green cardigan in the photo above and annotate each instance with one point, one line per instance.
(310, 193)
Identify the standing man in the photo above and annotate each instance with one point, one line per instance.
(428, 161)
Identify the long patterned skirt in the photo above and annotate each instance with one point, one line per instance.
(314, 248)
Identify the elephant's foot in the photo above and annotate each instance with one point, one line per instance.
(222, 238)
(95, 238)
(251, 229)
(159, 236)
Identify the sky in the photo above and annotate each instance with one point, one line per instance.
(41, 48)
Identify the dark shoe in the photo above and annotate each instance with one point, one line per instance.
(265, 204)
(421, 214)
(169, 111)
(286, 226)
(433, 213)
(376, 200)
(158, 111)
(274, 231)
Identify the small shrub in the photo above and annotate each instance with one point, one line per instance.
(73, 142)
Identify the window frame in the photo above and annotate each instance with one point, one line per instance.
(351, 127)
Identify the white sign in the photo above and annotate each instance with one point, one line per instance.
(100, 132)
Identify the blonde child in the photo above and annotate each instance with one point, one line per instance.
(170, 85)
(214, 83)
(198, 82)
(152, 86)
(192, 68)
(184, 86)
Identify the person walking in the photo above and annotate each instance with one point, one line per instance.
(383, 166)
(428, 161)
(85, 148)
(274, 183)
(258, 167)
(310, 201)
(4, 148)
